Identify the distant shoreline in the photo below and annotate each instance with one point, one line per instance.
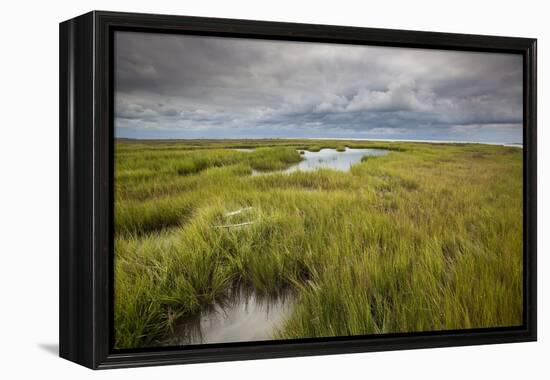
(513, 145)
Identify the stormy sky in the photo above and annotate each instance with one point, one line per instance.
(175, 86)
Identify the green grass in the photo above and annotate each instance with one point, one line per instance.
(427, 237)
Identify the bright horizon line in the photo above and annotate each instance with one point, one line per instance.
(328, 138)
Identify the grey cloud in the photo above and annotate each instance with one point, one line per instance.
(188, 86)
(401, 95)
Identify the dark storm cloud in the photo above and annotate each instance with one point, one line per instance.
(184, 86)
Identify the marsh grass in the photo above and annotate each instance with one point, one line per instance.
(427, 237)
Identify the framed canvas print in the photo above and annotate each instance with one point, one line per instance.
(236, 189)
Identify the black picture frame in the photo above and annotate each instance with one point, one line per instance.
(86, 188)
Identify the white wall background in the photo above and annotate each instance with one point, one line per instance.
(29, 187)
